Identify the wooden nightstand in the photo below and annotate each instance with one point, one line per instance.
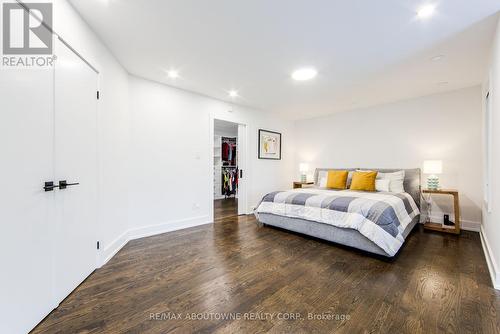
(298, 184)
(456, 208)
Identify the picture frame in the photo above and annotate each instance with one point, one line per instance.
(269, 145)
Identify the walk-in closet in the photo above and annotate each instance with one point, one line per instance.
(226, 171)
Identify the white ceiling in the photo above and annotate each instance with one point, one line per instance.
(367, 52)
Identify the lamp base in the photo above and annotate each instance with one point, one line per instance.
(303, 178)
(433, 182)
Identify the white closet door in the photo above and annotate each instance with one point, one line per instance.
(75, 252)
(26, 153)
(241, 146)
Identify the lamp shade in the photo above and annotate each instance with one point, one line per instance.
(303, 167)
(433, 167)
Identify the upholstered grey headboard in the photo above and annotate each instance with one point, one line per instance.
(411, 182)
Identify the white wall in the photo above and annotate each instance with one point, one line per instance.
(171, 157)
(151, 180)
(155, 163)
(113, 122)
(490, 232)
(403, 135)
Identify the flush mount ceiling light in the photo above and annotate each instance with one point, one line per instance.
(437, 58)
(426, 11)
(233, 93)
(173, 74)
(303, 74)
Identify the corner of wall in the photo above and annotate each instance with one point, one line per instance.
(146, 231)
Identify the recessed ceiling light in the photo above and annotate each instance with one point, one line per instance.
(442, 83)
(426, 11)
(233, 93)
(173, 74)
(437, 58)
(304, 74)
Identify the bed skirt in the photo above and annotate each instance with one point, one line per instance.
(343, 236)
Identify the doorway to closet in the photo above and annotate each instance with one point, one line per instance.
(228, 161)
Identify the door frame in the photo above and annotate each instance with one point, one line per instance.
(487, 142)
(247, 175)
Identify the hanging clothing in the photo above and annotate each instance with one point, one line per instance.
(225, 151)
(229, 181)
(229, 151)
(233, 156)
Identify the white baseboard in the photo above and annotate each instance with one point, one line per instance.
(490, 260)
(467, 225)
(107, 253)
(150, 230)
(147, 231)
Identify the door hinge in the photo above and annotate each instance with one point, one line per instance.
(98, 245)
(98, 95)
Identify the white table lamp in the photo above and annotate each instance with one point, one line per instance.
(303, 168)
(433, 167)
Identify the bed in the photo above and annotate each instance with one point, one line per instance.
(376, 222)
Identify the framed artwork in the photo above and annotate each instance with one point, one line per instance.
(269, 145)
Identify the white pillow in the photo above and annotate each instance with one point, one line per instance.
(382, 184)
(322, 182)
(396, 180)
(322, 179)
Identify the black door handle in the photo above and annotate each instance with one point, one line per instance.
(241, 173)
(64, 184)
(49, 186)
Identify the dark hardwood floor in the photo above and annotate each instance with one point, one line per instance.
(224, 208)
(438, 283)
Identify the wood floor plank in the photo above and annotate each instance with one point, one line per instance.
(209, 274)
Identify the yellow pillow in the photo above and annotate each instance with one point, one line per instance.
(363, 181)
(337, 179)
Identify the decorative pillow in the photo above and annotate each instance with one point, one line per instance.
(323, 178)
(363, 181)
(337, 179)
(396, 178)
(382, 184)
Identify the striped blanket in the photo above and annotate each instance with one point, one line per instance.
(381, 217)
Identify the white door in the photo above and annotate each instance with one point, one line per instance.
(26, 160)
(242, 165)
(75, 251)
